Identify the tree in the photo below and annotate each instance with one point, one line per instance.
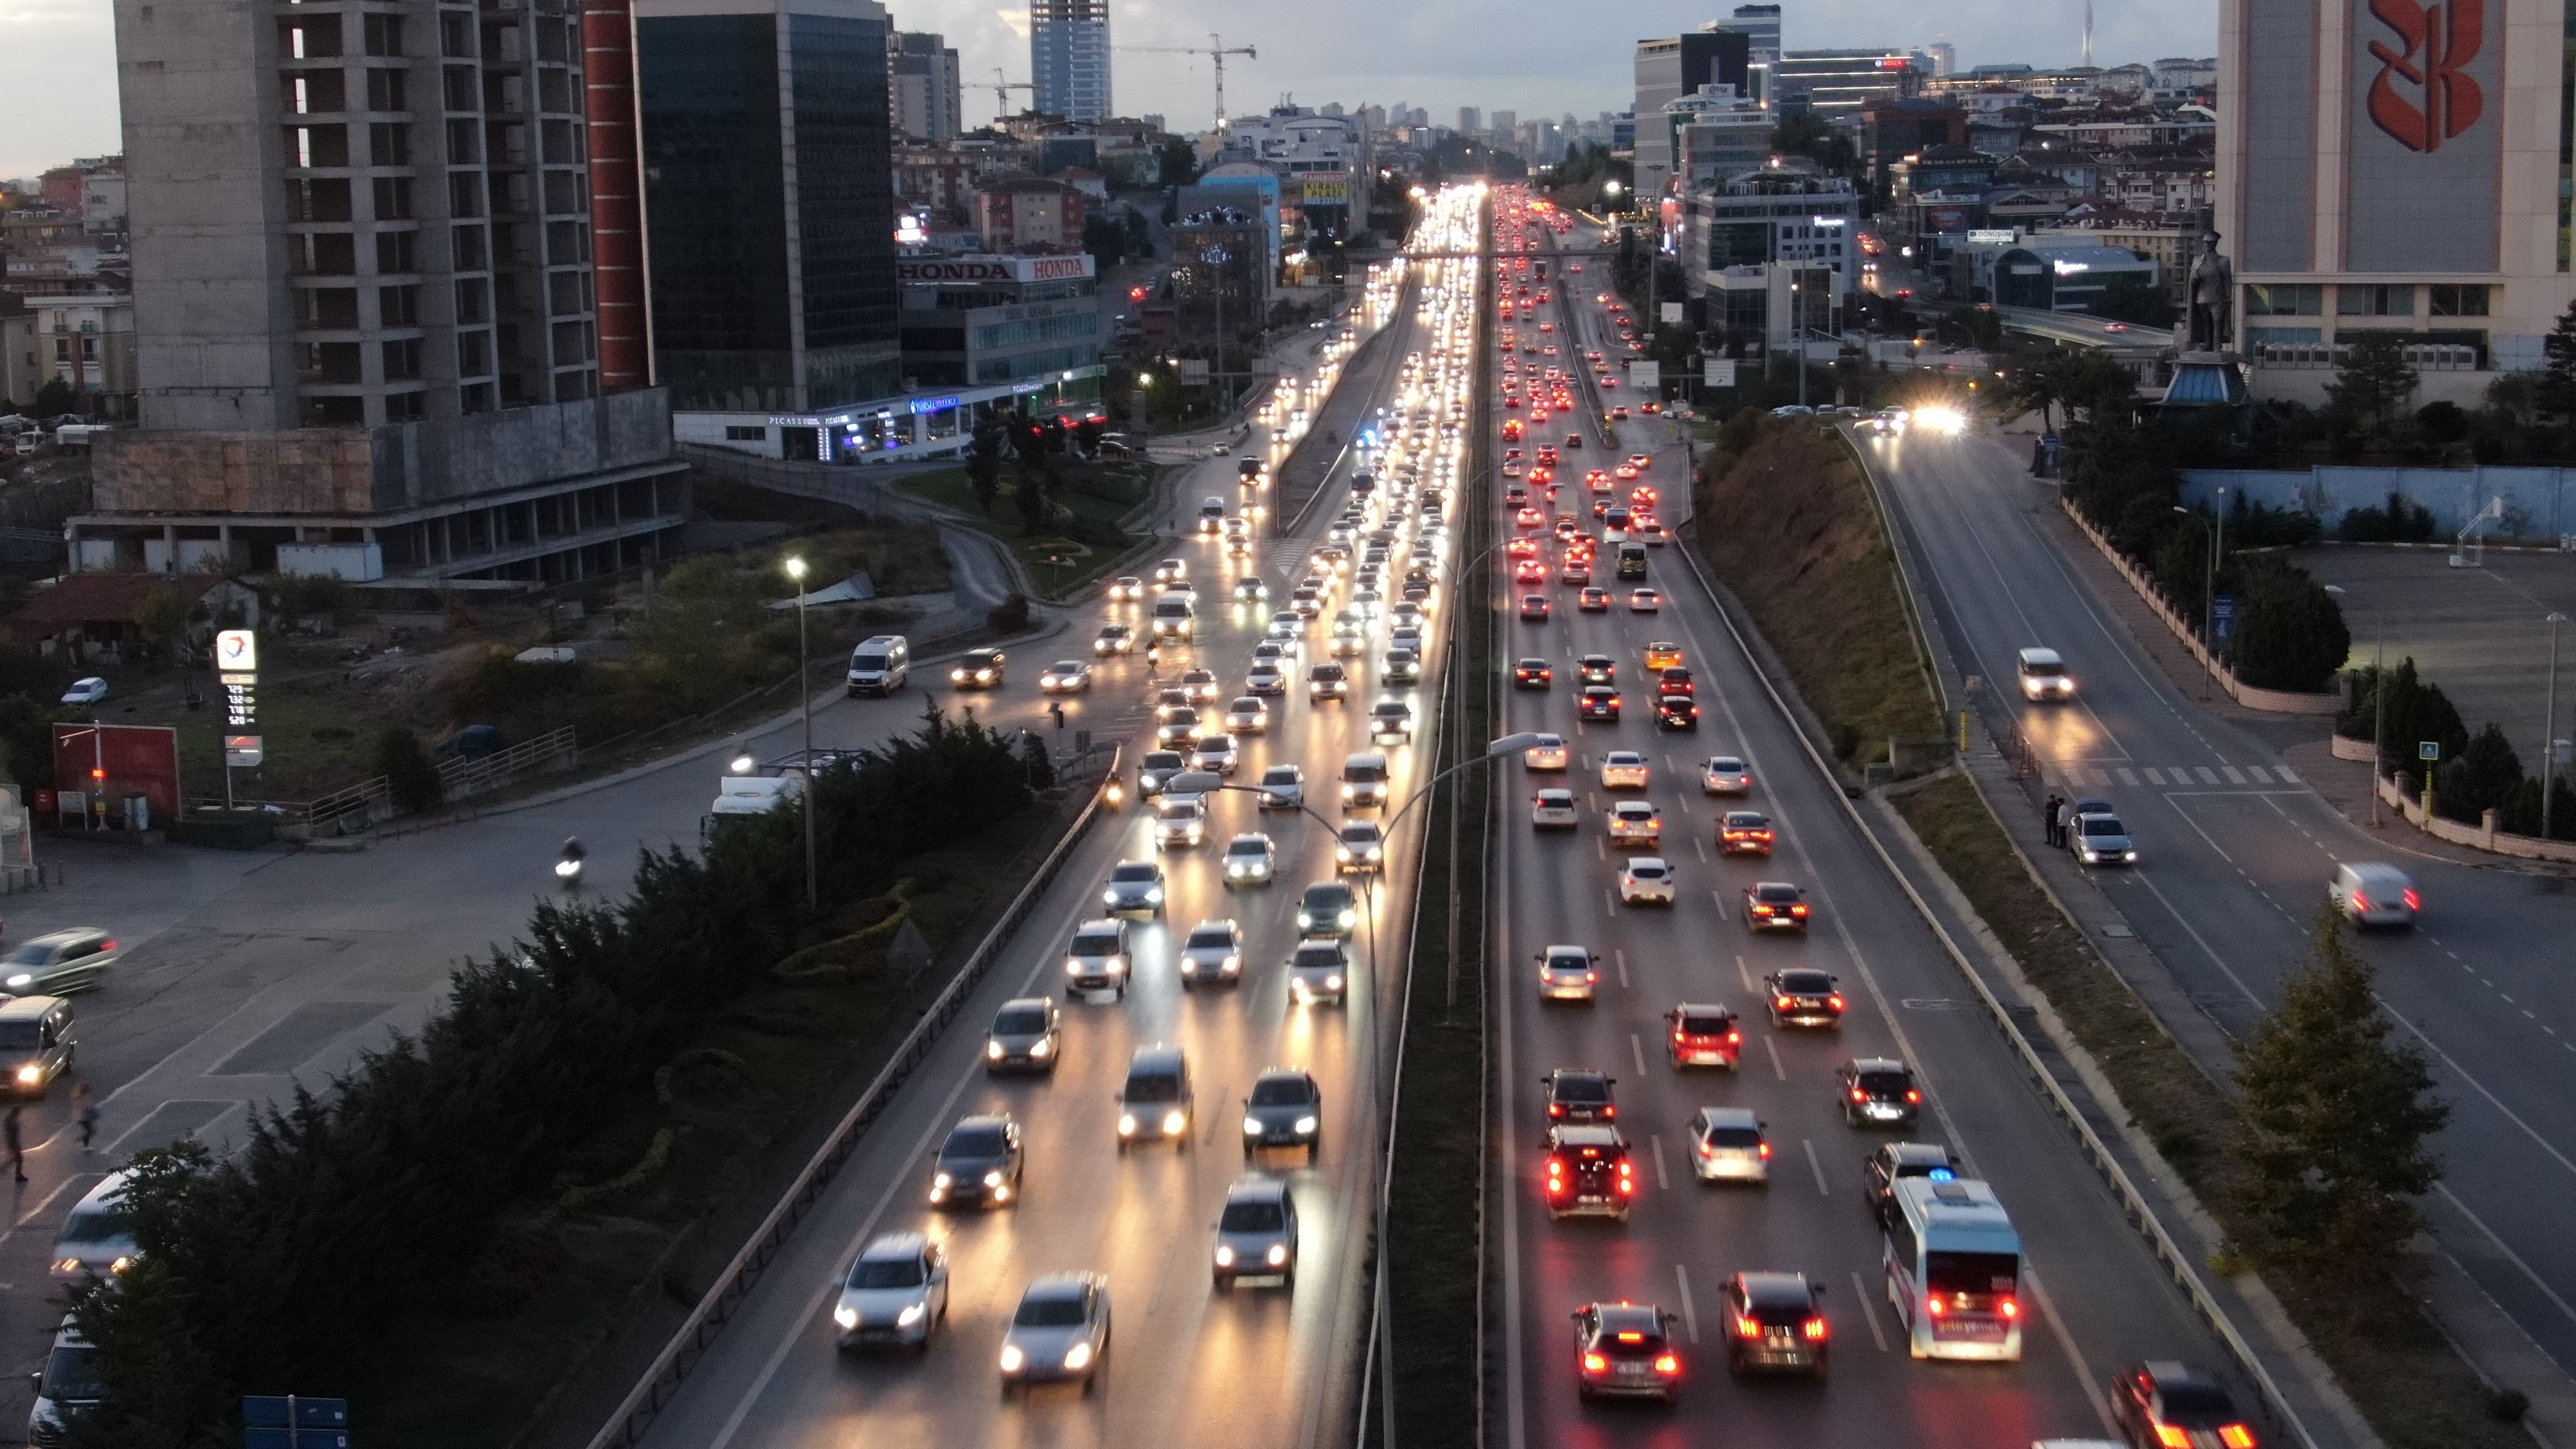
(1105, 239)
(1180, 162)
(1034, 758)
(160, 617)
(410, 779)
(2290, 632)
(55, 398)
(2336, 1119)
(2129, 297)
(984, 464)
(1803, 133)
(2414, 713)
(2484, 777)
(1140, 235)
(2366, 403)
(1028, 490)
(2556, 395)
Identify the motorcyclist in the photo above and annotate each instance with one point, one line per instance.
(573, 850)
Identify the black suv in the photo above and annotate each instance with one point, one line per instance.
(1579, 1094)
(1804, 998)
(1588, 1172)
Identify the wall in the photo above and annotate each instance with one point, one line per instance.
(2539, 502)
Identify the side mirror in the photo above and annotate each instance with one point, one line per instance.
(1819, 1288)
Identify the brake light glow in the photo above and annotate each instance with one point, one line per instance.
(2009, 1308)
(2236, 1436)
(1766, 1151)
(2361, 900)
(1934, 1306)
(1912, 1095)
(1836, 1000)
(1859, 1096)
(1734, 1038)
(1668, 1363)
(1594, 1363)
(2173, 1438)
(2414, 902)
(1815, 1329)
(1747, 1327)
(1632, 1338)
(1609, 1109)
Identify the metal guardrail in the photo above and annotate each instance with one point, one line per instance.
(688, 1344)
(2141, 1214)
(368, 801)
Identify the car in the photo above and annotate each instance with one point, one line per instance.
(1215, 753)
(1401, 666)
(1065, 676)
(1598, 702)
(1725, 775)
(1113, 639)
(1744, 832)
(2098, 838)
(1596, 669)
(1622, 1350)
(1178, 729)
(1803, 996)
(1547, 752)
(1877, 1092)
(1895, 1161)
(1099, 957)
(1702, 1035)
(1589, 1173)
(1319, 969)
(1774, 905)
(1529, 518)
(1553, 810)
(1171, 571)
(1361, 849)
(1286, 1109)
(1661, 655)
(1156, 1103)
(1059, 1331)
(895, 1293)
(1328, 908)
(1287, 627)
(1577, 570)
(1534, 608)
(1532, 674)
(1593, 601)
(1635, 822)
(1155, 770)
(1391, 719)
(1573, 441)
(58, 963)
(1134, 885)
(1026, 1036)
(1530, 571)
(1199, 686)
(980, 1163)
(1728, 1144)
(1645, 601)
(2373, 893)
(86, 691)
(1624, 770)
(1213, 952)
(1282, 787)
(1646, 880)
(1567, 973)
(1267, 679)
(1246, 716)
(1126, 589)
(980, 669)
(1327, 680)
(1180, 821)
(1251, 590)
(1256, 1233)
(2164, 1402)
(1676, 712)
(1306, 601)
(1775, 1321)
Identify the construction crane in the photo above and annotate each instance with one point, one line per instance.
(1002, 89)
(1215, 50)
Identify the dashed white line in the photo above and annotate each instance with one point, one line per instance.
(1777, 1070)
(1815, 1166)
(1681, 1276)
(1662, 1182)
(1868, 1309)
(1620, 959)
(1742, 972)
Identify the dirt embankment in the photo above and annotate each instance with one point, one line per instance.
(1789, 526)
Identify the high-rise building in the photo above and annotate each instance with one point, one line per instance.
(1471, 120)
(1945, 58)
(1667, 70)
(1839, 82)
(364, 295)
(928, 102)
(1069, 58)
(1760, 27)
(769, 198)
(1505, 123)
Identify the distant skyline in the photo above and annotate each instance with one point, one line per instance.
(1515, 55)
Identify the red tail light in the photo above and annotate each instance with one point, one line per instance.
(1797, 910)
(1556, 1109)
(1835, 1001)
(2237, 1436)
(1734, 1038)
(1591, 978)
(1816, 1329)
(2414, 902)
(1766, 1151)
(1609, 1110)
(110, 946)
(1668, 1363)
(1912, 1095)
(1746, 1327)
(1627, 1185)
(1859, 1096)
(2361, 900)
(2173, 1438)
(2009, 1308)
(1934, 1306)
(1786, 1003)
(1594, 1363)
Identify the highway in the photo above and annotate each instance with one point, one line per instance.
(247, 975)
(2098, 1300)
(1265, 1365)
(2236, 852)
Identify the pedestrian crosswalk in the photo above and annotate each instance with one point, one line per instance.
(2170, 776)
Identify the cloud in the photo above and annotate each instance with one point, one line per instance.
(60, 98)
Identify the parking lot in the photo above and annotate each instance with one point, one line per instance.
(2480, 633)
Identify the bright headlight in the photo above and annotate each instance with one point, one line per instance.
(910, 1315)
(992, 1051)
(1078, 1356)
(1350, 918)
(1252, 1127)
(993, 1178)
(1043, 1048)
(22, 979)
(1109, 898)
(1278, 1254)
(31, 1074)
(1224, 1256)
(845, 1316)
(1333, 982)
(1232, 963)
(1012, 1358)
(942, 1180)
(1155, 895)
(1305, 1125)
(1126, 1124)
(1174, 1123)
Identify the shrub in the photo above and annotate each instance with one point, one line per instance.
(2485, 776)
(1011, 616)
(2415, 712)
(410, 778)
(2402, 521)
(2290, 632)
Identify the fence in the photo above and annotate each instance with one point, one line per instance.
(369, 802)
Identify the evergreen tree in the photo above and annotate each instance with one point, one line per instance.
(2366, 404)
(2337, 1120)
(2485, 777)
(410, 778)
(2556, 395)
(984, 465)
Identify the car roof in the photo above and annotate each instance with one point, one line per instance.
(1777, 1290)
(893, 1247)
(1586, 1134)
(1284, 1074)
(1578, 1074)
(1877, 1064)
(1731, 1117)
(1908, 1153)
(1157, 1057)
(62, 938)
(22, 1007)
(1049, 1287)
(1256, 1187)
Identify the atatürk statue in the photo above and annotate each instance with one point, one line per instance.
(2212, 299)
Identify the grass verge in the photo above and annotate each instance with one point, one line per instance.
(2405, 1377)
(561, 1272)
(1784, 517)
(1075, 550)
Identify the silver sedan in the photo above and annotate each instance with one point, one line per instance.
(1059, 1331)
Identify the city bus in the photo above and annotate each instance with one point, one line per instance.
(1954, 1270)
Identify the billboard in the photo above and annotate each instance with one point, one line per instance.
(2427, 128)
(1717, 372)
(120, 760)
(1646, 375)
(1325, 188)
(988, 268)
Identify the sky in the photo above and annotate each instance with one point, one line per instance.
(1535, 57)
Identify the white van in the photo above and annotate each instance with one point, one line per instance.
(1174, 618)
(2372, 893)
(2044, 677)
(1211, 515)
(880, 665)
(755, 794)
(97, 1241)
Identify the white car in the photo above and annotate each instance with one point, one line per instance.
(1725, 775)
(1200, 686)
(1215, 753)
(1126, 589)
(1249, 859)
(1647, 881)
(1547, 754)
(1645, 601)
(1567, 973)
(1065, 676)
(1362, 848)
(896, 1293)
(1287, 626)
(1319, 970)
(1134, 885)
(1171, 571)
(1059, 1331)
(1553, 810)
(1635, 822)
(1283, 787)
(1179, 821)
(1247, 716)
(1213, 953)
(1624, 770)
(86, 691)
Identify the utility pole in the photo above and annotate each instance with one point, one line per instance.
(2548, 729)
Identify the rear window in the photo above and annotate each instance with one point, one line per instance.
(1704, 1025)
(1884, 1083)
(1734, 1137)
(1582, 1089)
(1811, 983)
(1779, 895)
(2195, 1406)
(2101, 825)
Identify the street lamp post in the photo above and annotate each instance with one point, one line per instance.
(2209, 593)
(2549, 729)
(805, 695)
(2379, 709)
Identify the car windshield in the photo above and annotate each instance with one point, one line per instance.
(2101, 825)
(887, 1273)
(71, 1376)
(1328, 898)
(2185, 1406)
(1279, 775)
(21, 1036)
(1282, 1092)
(1021, 1021)
(1179, 809)
(1153, 1087)
(869, 661)
(1051, 1311)
(1133, 873)
(1357, 772)
(1246, 847)
(1364, 833)
(1810, 983)
(1102, 944)
(1252, 1217)
(2042, 671)
(100, 1224)
(1316, 958)
(1163, 760)
(1211, 936)
(979, 1141)
(34, 953)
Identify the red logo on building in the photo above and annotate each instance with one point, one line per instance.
(2422, 97)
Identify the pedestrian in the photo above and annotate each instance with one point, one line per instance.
(12, 1132)
(2056, 809)
(86, 1110)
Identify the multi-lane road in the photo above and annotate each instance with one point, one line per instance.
(2100, 1301)
(2236, 852)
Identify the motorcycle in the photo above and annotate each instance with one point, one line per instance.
(568, 871)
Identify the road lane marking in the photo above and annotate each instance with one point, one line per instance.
(2155, 777)
(2208, 776)
(1599, 848)
(1620, 957)
(1609, 909)
(1702, 847)
(1777, 1070)
(1661, 1181)
(1637, 1053)
(2127, 777)
(1742, 972)
(1869, 1308)
(1681, 1277)
(1815, 1166)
